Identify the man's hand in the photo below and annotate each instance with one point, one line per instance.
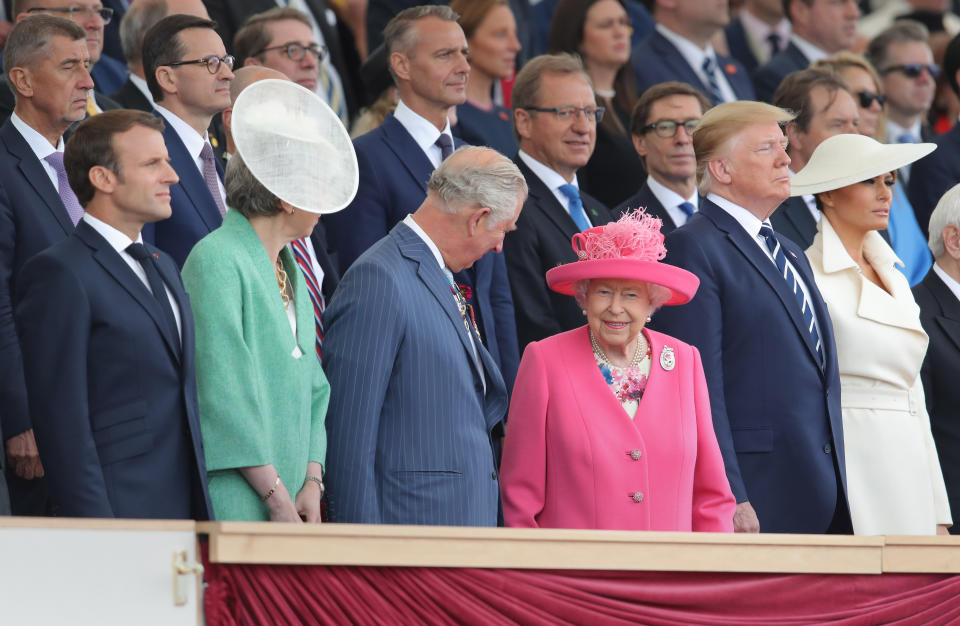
(23, 455)
(745, 519)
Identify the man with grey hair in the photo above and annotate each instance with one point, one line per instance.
(416, 400)
(939, 299)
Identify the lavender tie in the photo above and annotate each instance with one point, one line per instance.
(210, 176)
(69, 199)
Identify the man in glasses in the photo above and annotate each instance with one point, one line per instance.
(282, 40)
(189, 73)
(555, 121)
(662, 127)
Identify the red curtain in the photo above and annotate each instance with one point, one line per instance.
(268, 594)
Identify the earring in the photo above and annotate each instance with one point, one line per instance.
(584, 311)
(648, 319)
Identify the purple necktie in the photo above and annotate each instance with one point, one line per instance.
(211, 177)
(69, 199)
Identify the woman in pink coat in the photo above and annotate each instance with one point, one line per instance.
(610, 424)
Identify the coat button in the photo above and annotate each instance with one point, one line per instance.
(493, 475)
(638, 497)
(827, 448)
(635, 455)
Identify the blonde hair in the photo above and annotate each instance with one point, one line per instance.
(841, 62)
(722, 123)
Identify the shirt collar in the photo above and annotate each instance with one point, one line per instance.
(192, 140)
(37, 142)
(691, 53)
(422, 131)
(894, 131)
(760, 30)
(117, 240)
(750, 222)
(412, 223)
(668, 197)
(550, 178)
(141, 84)
(948, 280)
(812, 52)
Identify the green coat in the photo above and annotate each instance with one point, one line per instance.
(258, 403)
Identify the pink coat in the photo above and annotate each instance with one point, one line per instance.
(573, 458)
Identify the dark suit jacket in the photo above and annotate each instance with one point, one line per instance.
(645, 198)
(768, 77)
(540, 242)
(739, 45)
(195, 212)
(327, 258)
(117, 421)
(130, 97)
(940, 316)
(614, 170)
(933, 175)
(793, 220)
(775, 410)
(393, 183)
(656, 60)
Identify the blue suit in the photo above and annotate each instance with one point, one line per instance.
(409, 427)
(656, 60)
(195, 212)
(776, 411)
(933, 175)
(393, 182)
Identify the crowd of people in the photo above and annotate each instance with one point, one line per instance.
(611, 264)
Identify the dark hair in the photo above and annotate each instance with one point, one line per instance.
(162, 45)
(951, 63)
(398, 33)
(793, 93)
(641, 112)
(30, 39)
(902, 31)
(255, 35)
(91, 144)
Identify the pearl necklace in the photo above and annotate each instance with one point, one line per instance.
(638, 356)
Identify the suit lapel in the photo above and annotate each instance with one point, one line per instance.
(191, 181)
(398, 140)
(671, 57)
(795, 210)
(949, 321)
(35, 175)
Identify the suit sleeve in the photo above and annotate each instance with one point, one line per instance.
(700, 323)
(930, 178)
(53, 316)
(523, 472)
(501, 301)
(364, 327)
(534, 315)
(713, 503)
(14, 415)
(941, 502)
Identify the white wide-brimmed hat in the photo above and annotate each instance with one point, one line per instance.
(295, 145)
(846, 159)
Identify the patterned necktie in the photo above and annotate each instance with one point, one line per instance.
(709, 68)
(302, 256)
(688, 209)
(445, 144)
(149, 263)
(210, 177)
(334, 93)
(788, 274)
(69, 199)
(576, 206)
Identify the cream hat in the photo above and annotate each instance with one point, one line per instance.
(846, 159)
(295, 145)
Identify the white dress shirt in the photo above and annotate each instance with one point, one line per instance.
(810, 200)
(809, 50)
(671, 200)
(948, 280)
(423, 132)
(192, 140)
(40, 146)
(553, 181)
(695, 56)
(758, 31)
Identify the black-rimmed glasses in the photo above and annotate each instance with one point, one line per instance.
(105, 13)
(570, 113)
(913, 70)
(296, 51)
(668, 128)
(213, 62)
(867, 98)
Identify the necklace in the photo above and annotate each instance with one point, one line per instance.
(638, 356)
(282, 283)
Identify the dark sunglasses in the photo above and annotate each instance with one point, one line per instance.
(867, 98)
(913, 70)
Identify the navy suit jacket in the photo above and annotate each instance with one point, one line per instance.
(116, 420)
(409, 427)
(195, 212)
(739, 45)
(645, 198)
(769, 76)
(393, 183)
(793, 220)
(776, 411)
(656, 60)
(933, 175)
(130, 97)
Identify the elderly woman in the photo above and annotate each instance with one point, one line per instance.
(894, 482)
(610, 423)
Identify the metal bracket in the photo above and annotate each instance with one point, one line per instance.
(181, 570)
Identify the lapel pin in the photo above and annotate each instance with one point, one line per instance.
(667, 359)
(731, 68)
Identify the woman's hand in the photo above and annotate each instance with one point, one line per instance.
(264, 480)
(308, 502)
(283, 509)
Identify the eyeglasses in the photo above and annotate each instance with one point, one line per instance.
(571, 113)
(867, 98)
(213, 62)
(105, 13)
(296, 51)
(668, 128)
(913, 70)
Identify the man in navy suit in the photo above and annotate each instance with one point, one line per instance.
(662, 128)
(772, 375)
(116, 420)
(427, 55)
(820, 28)
(188, 71)
(416, 401)
(758, 32)
(50, 52)
(680, 49)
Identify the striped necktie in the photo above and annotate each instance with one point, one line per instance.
(709, 68)
(302, 256)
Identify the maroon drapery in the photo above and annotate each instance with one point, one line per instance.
(276, 594)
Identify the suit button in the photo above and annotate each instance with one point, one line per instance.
(493, 475)
(478, 387)
(635, 455)
(827, 448)
(638, 497)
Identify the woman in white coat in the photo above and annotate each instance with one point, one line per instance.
(894, 482)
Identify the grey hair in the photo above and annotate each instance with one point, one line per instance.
(245, 194)
(902, 31)
(493, 182)
(657, 294)
(398, 34)
(134, 25)
(946, 214)
(29, 41)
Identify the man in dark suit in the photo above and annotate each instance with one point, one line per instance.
(820, 28)
(189, 74)
(680, 49)
(939, 299)
(763, 330)
(824, 107)
(427, 54)
(758, 32)
(555, 120)
(119, 434)
(34, 215)
(661, 125)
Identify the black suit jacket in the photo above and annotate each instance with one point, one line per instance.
(933, 175)
(794, 220)
(130, 97)
(117, 420)
(739, 45)
(540, 242)
(645, 198)
(327, 258)
(768, 77)
(940, 316)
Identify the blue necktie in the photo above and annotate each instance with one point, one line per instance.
(688, 209)
(709, 68)
(906, 137)
(576, 206)
(806, 309)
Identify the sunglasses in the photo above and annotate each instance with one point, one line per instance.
(913, 70)
(867, 98)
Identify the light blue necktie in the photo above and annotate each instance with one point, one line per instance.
(688, 209)
(906, 137)
(576, 206)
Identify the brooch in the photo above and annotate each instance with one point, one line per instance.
(667, 360)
